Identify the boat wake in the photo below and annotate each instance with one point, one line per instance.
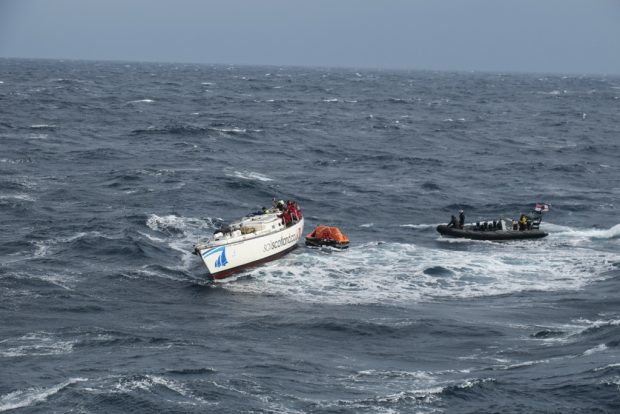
(581, 234)
(379, 272)
(402, 273)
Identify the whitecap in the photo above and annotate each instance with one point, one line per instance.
(177, 223)
(148, 382)
(553, 93)
(31, 396)
(616, 365)
(596, 349)
(145, 274)
(330, 100)
(37, 136)
(35, 344)
(233, 130)
(524, 364)
(44, 247)
(18, 197)
(586, 324)
(250, 175)
(141, 101)
(182, 234)
(419, 226)
(367, 225)
(42, 126)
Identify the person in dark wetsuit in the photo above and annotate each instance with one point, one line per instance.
(453, 222)
(461, 219)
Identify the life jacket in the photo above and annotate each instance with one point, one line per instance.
(286, 217)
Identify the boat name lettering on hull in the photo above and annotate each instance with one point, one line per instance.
(282, 241)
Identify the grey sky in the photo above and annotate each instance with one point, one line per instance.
(562, 36)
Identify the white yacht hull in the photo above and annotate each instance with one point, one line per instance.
(224, 259)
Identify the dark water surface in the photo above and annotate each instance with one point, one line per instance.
(110, 172)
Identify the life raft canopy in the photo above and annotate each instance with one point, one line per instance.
(327, 236)
(329, 233)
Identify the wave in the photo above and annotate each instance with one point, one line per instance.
(173, 224)
(71, 81)
(35, 344)
(597, 328)
(37, 136)
(232, 130)
(250, 175)
(596, 349)
(150, 383)
(42, 126)
(17, 197)
(189, 130)
(554, 92)
(192, 371)
(148, 272)
(100, 154)
(63, 280)
(609, 367)
(421, 388)
(140, 101)
(181, 234)
(582, 330)
(32, 396)
(431, 186)
(171, 129)
(48, 247)
(420, 226)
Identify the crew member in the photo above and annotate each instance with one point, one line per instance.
(461, 219)
(292, 209)
(286, 217)
(453, 222)
(523, 222)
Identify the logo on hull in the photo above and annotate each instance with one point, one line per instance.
(221, 260)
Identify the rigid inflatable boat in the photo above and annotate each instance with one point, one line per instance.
(252, 240)
(527, 227)
(327, 236)
(502, 229)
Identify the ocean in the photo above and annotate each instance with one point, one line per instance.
(110, 172)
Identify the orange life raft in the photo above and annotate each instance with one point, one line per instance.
(327, 236)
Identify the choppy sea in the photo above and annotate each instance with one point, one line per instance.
(111, 171)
